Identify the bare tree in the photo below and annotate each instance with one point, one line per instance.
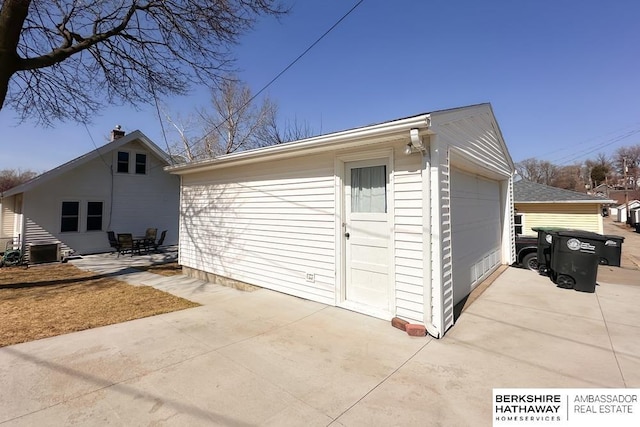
(10, 178)
(191, 146)
(64, 59)
(289, 131)
(570, 178)
(234, 121)
(237, 121)
(540, 171)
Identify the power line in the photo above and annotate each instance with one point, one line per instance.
(291, 64)
(600, 146)
(581, 143)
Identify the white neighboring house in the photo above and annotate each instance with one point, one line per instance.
(402, 218)
(122, 186)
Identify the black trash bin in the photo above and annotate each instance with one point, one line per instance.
(612, 250)
(544, 248)
(575, 255)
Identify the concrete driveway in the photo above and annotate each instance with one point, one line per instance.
(265, 358)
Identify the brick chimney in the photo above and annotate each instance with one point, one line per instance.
(116, 133)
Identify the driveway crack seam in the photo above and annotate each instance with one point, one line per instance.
(613, 349)
(382, 382)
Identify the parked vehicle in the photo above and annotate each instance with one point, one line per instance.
(527, 252)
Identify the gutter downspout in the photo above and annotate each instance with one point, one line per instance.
(426, 243)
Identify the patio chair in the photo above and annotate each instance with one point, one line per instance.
(160, 241)
(151, 234)
(113, 241)
(149, 239)
(126, 244)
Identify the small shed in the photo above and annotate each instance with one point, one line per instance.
(621, 210)
(403, 218)
(539, 205)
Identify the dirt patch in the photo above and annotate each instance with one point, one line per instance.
(167, 269)
(45, 301)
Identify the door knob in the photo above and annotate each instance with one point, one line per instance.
(346, 235)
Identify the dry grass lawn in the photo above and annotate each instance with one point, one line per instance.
(44, 301)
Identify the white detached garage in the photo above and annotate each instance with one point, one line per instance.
(402, 218)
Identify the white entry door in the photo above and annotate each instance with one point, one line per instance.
(367, 236)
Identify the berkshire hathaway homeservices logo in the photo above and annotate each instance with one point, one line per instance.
(566, 407)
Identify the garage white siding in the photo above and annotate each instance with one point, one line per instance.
(475, 137)
(476, 230)
(470, 139)
(273, 217)
(408, 226)
(269, 225)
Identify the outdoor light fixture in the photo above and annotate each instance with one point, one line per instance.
(415, 144)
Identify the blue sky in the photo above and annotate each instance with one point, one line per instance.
(562, 75)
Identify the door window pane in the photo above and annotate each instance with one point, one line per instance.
(94, 216)
(369, 189)
(70, 216)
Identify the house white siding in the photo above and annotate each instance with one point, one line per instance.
(268, 225)
(8, 217)
(9, 221)
(130, 203)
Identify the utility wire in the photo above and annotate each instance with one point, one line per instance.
(600, 146)
(291, 64)
(568, 147)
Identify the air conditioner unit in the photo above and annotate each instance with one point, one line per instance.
(44, 252)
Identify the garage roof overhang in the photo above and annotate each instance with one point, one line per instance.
(352, 138)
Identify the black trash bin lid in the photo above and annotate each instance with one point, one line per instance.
(549, 229)
(614, 237)
(581, 234)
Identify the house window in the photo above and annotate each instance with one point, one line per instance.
(518, 221)
(141, 164)
(94, 216)
(123, 162)
(70, 216)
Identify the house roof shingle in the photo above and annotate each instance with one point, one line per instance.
(530, 192)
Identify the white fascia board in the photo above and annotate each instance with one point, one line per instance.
(345, 139)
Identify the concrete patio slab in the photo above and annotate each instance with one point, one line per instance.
(264, 358)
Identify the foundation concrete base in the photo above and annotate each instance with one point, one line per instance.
(218, 280)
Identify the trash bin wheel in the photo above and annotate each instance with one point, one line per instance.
(604, 261)
(530, 261)
(564, 281)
